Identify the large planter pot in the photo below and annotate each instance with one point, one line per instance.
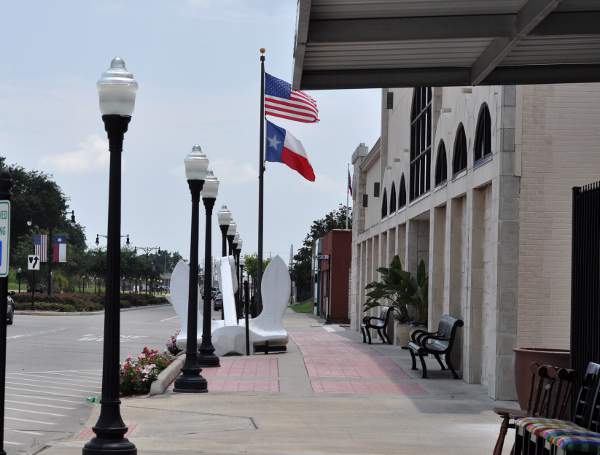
(402, 334)
(524, 357)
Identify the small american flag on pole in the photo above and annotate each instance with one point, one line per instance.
(281, 101)
(40, 246)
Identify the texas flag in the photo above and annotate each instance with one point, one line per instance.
(59, 248)
(284, 148)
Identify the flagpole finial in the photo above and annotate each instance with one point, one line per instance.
(263, 50)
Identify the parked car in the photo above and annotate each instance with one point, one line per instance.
(217, 300)
(10, 310)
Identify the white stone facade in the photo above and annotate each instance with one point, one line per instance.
(496, 236)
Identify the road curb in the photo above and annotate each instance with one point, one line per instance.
(167, 376)
(83, 313)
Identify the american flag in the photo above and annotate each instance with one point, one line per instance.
(349, 183)
(281, 101)
(40, 245)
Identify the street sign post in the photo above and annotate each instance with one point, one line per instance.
(33, 264)
(4, 238)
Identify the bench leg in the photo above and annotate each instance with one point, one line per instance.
(414, 359)
(369, 335)
(449, 362)
(423, 365)
(437, 357)
(362, 330)
(382, 336)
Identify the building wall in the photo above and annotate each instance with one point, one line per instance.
(558, 142)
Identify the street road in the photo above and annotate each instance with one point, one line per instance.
(54, 363)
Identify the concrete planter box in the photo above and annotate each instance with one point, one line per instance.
(402, 334)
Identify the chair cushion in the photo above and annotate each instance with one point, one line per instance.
(574, 441)
(536, 425)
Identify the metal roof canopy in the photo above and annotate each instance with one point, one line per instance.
(344, 44)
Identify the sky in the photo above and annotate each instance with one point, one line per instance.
(197, 65)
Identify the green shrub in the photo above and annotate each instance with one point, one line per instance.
(82, 302)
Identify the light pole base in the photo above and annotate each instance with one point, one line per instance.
(103, 446)
(190, 384)
(208, 360)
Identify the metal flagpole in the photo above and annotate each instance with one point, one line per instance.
(261, 171)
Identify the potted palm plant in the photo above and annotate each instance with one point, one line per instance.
(405, 294)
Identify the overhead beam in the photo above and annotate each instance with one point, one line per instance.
(331, 31)
(410, 28)
(302, 22)
(446, 77)
(529, 17)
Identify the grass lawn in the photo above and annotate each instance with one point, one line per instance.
(304, 307)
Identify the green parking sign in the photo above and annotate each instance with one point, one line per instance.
(4, 237)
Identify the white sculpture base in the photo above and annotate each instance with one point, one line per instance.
(229, 335)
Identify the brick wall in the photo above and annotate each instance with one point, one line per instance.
(559, 145)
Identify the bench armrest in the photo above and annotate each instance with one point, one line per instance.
(425, 338)
(416, 335)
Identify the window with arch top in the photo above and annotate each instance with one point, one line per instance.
(483, 134)
(420, 142)
(402, 195)
(441, 165)
(393, 198)
(459, 160)
(384, 206)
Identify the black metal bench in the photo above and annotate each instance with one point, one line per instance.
(378, 323)
(435, 343)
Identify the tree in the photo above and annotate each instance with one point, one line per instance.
(302, 267)
(251, 265)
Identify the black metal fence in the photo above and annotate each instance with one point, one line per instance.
(585, 277)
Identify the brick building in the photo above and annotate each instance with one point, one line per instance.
(476, 181)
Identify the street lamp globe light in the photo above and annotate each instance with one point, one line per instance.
(117, 89)
(196, 164)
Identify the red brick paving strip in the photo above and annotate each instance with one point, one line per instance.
(338, 365)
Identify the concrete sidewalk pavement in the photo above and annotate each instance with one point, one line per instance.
(329, 394)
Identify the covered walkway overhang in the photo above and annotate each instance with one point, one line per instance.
(344, 44)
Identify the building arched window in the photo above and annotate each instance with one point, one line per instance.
(384, 206)
(420, 142)
(393, 198)
(459, 160)
(441, 165)
(483, 134)
(402, 191)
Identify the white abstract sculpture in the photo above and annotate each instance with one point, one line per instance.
(228, 336)
(275, 287)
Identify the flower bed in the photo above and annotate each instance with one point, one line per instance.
(172, 344)
(138, 374)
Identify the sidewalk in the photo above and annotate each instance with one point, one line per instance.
(329, 394)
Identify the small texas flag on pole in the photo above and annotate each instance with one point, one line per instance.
(59, 248)
(284, 148)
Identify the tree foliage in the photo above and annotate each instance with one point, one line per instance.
(302, 267)
(36, 197)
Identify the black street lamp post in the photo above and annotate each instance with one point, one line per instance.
(191, 381)
(224, 218)
(207, 357)
(6, 185)
(116, 89)
(230, 236)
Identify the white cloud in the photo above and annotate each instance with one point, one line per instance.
(91, 155)
(234, 172)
